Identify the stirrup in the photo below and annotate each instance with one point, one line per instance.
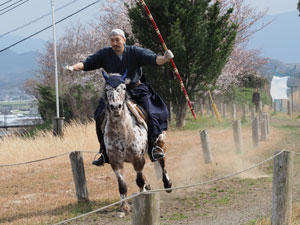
(162, 151)
(101, 156)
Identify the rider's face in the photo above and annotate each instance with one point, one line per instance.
(117, 43)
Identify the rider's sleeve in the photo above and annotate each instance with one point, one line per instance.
(94, 61)
(145, 56)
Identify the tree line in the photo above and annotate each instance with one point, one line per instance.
(207, 38)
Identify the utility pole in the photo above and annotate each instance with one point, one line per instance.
(57, 122)
(292, 98)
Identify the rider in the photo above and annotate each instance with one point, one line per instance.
(118, 58)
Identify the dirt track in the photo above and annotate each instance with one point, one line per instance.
(42, 192)
(238, 200)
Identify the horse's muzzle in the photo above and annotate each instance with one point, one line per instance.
(115, 109)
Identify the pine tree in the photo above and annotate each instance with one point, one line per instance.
(200, 38)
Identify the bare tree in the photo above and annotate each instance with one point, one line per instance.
(242, 62)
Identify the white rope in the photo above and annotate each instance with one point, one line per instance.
(97, 210)
(39, 160)
(175, 188)
(217, 179)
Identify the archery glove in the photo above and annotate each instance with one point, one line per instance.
(69, 69)
(168, 55)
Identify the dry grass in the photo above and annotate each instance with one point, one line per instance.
(44, 192)
(14, 149)
(295, 217)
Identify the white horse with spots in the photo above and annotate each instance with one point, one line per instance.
(125, 139)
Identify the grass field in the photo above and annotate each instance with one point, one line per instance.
(44, 193)
(16, 102)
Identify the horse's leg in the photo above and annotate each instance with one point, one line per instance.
(118, 170)
(162, 162)
(141, 180)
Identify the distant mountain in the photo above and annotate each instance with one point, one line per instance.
(280, 39)
(16, 68)
(28, 45)
(277, 68)
(19, 62)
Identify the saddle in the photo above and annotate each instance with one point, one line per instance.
(139, 113)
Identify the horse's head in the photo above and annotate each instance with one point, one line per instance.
(115, 91)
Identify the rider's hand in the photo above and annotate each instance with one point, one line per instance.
(69, 69)
(168, 55)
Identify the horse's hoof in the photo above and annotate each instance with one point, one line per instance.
(124, 209)
(148, 187)
(168, 185)
(120, 214)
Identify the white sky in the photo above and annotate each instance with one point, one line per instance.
(36, 8)
(275, 6)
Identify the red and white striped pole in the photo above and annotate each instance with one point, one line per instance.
(172, 61)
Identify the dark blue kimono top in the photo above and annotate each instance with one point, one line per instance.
(133, 58)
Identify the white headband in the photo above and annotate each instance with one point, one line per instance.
(117, 32)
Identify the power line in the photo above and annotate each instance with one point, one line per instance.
(37, 19)
(10, 5)
(14, 7)
(5, 2)
(18, 42)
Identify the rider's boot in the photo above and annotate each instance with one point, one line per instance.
(103, 156)
(155, 150)
(100, 161)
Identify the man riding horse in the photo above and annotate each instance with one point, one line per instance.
(119, 58)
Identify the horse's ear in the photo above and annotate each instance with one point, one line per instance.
(124, 75)
(104, 74)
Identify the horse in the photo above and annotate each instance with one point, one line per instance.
(125, 139)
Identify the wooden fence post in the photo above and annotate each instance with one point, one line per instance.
(255, 132)
(237, 134)
(275, 107)
(233, 112)
(58, 125)
(252, 112)
(260, 107)
(201, 110)
(266, 117)
(224, 110)
(244, 117)
(146, 209)
(79, 176)
(221, 108)
(282, 189)
(208, 108)
(205, 146)
(289, 108)
(263, 129)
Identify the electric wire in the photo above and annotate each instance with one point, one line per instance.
(24, 39)
(14, 7)
(40, 160)
(37, 19)
(5, 2)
